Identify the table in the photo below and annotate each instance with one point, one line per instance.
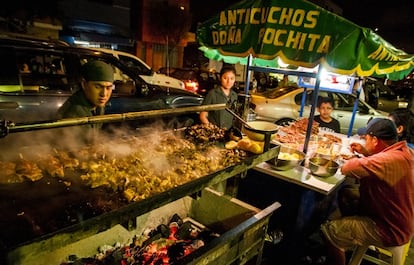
(301, 176)
(306, 200)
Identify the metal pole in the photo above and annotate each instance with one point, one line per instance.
(9, 127)
(312, 110)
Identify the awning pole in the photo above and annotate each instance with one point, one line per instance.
(246, 103)
(312, 110)
(355, 109)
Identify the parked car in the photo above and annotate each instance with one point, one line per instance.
(282, 105)
(144, 70)
(51, 74)
(381, 96)
(194, 79)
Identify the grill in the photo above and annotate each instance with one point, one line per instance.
(49, 220)
(66, 215)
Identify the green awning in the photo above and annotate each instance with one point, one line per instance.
(300, 33)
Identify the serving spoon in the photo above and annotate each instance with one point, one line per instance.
(245, 123)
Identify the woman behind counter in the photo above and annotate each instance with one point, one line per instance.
(219, 95)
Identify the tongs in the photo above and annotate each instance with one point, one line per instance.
(245, 123)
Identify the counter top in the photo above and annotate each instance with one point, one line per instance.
(301, 176)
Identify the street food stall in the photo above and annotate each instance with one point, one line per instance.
(124, 197)
(261, 34)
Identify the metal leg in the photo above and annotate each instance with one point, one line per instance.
(357, 255)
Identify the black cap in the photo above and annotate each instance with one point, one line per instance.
(98, 71)
(382, 128)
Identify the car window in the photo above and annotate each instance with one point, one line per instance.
(38, 71)
(342, 102)
(135, 64)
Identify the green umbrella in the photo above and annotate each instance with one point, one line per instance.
(300, 33)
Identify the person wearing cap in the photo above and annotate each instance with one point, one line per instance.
(97, 85)
(385, 214)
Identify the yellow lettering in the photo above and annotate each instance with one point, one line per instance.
(214, 35)
(312, 18)
(223, 18)
(298, 17)
(264, 14)
(297, 40)
(222, 37)
(253, 19)
(268, 35)
(313, 38)
(272, 17)
(302, 41)
(232, 36)
(382, 54)
(231, 17)
(238, 36)
(279, 33)
(285, 16)
(374, 55)
(292, 40)
(324, 45)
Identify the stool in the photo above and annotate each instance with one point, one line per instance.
(397, 254)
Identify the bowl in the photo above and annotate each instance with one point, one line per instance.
(323, 167)
(257, 130)
(287, 158)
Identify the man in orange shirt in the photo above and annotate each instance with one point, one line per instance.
(386, 188)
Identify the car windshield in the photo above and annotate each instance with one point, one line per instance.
(278, 92)
(343, 102)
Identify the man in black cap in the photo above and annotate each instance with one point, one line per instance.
(385, 215)
(97, 86)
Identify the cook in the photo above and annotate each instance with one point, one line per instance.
(219, 95)
(97, 85)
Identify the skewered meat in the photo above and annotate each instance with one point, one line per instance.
(202, 133)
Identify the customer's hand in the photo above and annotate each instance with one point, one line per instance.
(359, 148)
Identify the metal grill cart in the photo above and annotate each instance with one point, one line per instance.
(241, 227)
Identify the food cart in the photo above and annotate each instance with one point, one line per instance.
(260, 34)
(60, 206)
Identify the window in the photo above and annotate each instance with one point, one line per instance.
(42, 71)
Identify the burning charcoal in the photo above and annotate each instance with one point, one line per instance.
(175, 252)
(184, 232)
(163, 230)
(177, 219)
(173, 230)
(152, 239)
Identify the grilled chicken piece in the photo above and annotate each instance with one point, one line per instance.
(8, 173)
(52, 166)
(28, 169)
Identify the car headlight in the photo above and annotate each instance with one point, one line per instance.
(402, 104)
